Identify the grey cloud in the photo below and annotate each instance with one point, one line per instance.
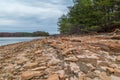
(31, 15)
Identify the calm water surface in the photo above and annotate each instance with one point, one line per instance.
(11, 40)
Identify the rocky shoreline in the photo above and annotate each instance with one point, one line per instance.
(89, 57)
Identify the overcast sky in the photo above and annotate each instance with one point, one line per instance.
(31, 15)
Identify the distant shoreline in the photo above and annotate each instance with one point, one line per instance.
(24, 34)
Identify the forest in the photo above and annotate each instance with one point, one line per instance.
(24, 34)
(87, 16)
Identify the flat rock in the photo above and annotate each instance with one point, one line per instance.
(117, 72)
(21, 62)
(53, 77)
(74, 67)
(83, 67)
(118, 59)
(38, 52)
(61, 73)
(29, 74)
(68, 51)
(104, 76)
(31, 65)
(114, 77)
(91, 75)
(39, 68)
(103, 64)
(81, 78)
(89, 60)
(110, 70)
(73, 78)
(53, 61)
(72, 58)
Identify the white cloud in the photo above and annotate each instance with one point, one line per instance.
(44, 10)
(7, 22)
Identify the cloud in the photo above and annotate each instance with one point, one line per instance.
(22, 9)
(7, 22)
(31, 14)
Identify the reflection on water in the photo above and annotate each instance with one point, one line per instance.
(11, 40)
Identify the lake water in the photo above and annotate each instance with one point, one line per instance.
(11, 40)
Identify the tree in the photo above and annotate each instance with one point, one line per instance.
(40, 33)
(90, 15)
(64, 25)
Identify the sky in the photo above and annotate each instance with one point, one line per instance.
(31, 15)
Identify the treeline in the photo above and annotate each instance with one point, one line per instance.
(91, 16)
(24, 34)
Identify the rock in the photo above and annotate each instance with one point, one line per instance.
(114, 77)
(89, 60)
(73, 78)
(113, 65)
(104, 76)
(53, 77)
(110, 70)
(74, 67)
(61, 73)
(39, 68)
(91, 75)
(29, 74)
(31, 65)
(53, 61)
(38, 52)
(97, 72)
(117, 72)
(116, 31)
(83, 67)
(69, 51)
(81, 77)
(117, 37)
(75, 40)
(66, 79)
(73, 58)
(103, 64)
(118, 59)
(87, 78)
(60, 59)
(21, 62)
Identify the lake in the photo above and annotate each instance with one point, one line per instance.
(11, 40)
